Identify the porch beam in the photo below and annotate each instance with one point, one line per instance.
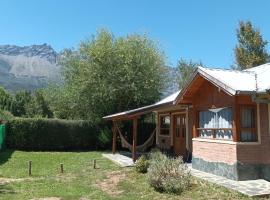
(134, 140)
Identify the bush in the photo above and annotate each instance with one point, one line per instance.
(142, 164)
(53, 134)
(167, 174)
(5, 115)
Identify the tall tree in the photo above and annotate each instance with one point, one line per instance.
(251, 48)
(186, 68)
(109, 74)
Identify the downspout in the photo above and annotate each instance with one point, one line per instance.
(254, 95)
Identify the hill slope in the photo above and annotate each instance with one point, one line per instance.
(28, 67)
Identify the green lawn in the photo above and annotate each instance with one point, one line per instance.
(81, 181)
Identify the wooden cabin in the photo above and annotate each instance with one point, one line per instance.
(221, 118)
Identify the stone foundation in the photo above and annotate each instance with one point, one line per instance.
(251, 172)
(237, 171)
(217, 168)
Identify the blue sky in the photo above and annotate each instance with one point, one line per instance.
(202, 30)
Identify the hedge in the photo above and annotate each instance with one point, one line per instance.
(56, 135)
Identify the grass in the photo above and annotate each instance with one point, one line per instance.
(81, 181)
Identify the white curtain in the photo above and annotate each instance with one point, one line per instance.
(216, 118)
(247, 121)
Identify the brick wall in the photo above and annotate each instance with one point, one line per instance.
(214, 152)
(257, 153)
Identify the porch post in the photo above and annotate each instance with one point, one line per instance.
(134, 141)
(114, 138)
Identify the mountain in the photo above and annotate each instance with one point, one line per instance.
(27, 67)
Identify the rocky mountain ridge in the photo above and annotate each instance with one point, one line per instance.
(28, 67)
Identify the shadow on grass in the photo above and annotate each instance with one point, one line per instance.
(5, 155)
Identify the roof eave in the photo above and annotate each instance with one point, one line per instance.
(208, 77)
(137, 112)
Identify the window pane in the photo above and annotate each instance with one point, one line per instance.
(216, 118)
(165, 125)
(248, 133)
(207, 119)
(248, 136)
(225, 118)
(247, 118)
(165, 121)
(178, 120)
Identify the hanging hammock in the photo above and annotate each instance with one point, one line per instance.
(141, 148)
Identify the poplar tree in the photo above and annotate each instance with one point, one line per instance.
(251, 48)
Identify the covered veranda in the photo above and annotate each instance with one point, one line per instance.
(134, 115)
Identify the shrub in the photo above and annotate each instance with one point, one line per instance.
(167, 174)
(53, 134)
(142, 164)
(5, 115)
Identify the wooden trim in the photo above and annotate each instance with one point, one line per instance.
(269, 118)
(187, 129)
(114, 138)
(134, 140)
(215, 129)
(258, 117)
(210, 140)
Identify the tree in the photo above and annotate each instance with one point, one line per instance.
(186, 68)
(6, 100)
(109, 74)
(251, 48)
(38, 106)
(21, 98)
(26, 104)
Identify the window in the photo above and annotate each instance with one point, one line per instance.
(165, 122)
(216, 123)
(248, 124)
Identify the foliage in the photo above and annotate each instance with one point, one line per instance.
(186, 68)
(53, 134)
(21, 99)
(38, 106)
(251, 48)
(142, 164)
(5, 115)
(107, 75)
(167, 174)
(104, 137)
(5, 100)
(26, 104)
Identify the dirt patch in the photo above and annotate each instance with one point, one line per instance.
(48, 198)
(109, 185)
(4, 181)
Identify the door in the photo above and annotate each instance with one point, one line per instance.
(179, 134)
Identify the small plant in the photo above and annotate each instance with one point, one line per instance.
(167, 174)
(142, 164)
